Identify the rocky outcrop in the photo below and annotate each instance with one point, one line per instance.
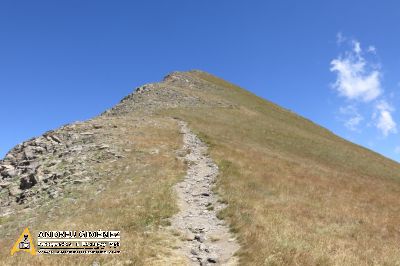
(178, 89)
(41, 167)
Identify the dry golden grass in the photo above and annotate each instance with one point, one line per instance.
(297, 194)
(136, 199)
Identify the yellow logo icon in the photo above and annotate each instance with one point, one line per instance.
(24, 243)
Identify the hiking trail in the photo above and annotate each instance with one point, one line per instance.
(208, 240)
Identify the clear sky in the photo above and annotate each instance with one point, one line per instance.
(334, 62)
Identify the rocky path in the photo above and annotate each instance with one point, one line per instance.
(207, 240)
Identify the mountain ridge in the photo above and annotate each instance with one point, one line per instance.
(295, 192)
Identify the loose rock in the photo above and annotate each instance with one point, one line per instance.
(195, 196)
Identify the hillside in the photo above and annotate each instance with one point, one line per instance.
(291, 192)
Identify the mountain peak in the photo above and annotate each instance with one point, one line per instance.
(281, 179)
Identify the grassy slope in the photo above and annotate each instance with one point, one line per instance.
(133, 195)
(297, 193)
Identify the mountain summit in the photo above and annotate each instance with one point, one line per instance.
(195, 170)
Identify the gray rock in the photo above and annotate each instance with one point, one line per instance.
(87, 133)
(14, 191)
(104, 146)
(41, 178)
(54, 194)
(39, 149)
(199, 238)
(96, 263)
(193, 251)
(4, 184)
(212, 258)
(9, 171)
(9, 157)
(29, 153)
(55, 138)
(33, 166)
(203, 247)
(8, 167)
(189, 236)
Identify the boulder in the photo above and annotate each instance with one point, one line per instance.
(9, 157)
(27, 182)
(8, 171)
(32, 167)
(199, 238)
(14, 191)
(4, 184)
(29, 153)
(39, 149)
(55, 138)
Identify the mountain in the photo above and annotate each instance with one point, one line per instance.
(192, 148)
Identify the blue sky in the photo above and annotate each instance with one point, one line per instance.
(334, 62)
